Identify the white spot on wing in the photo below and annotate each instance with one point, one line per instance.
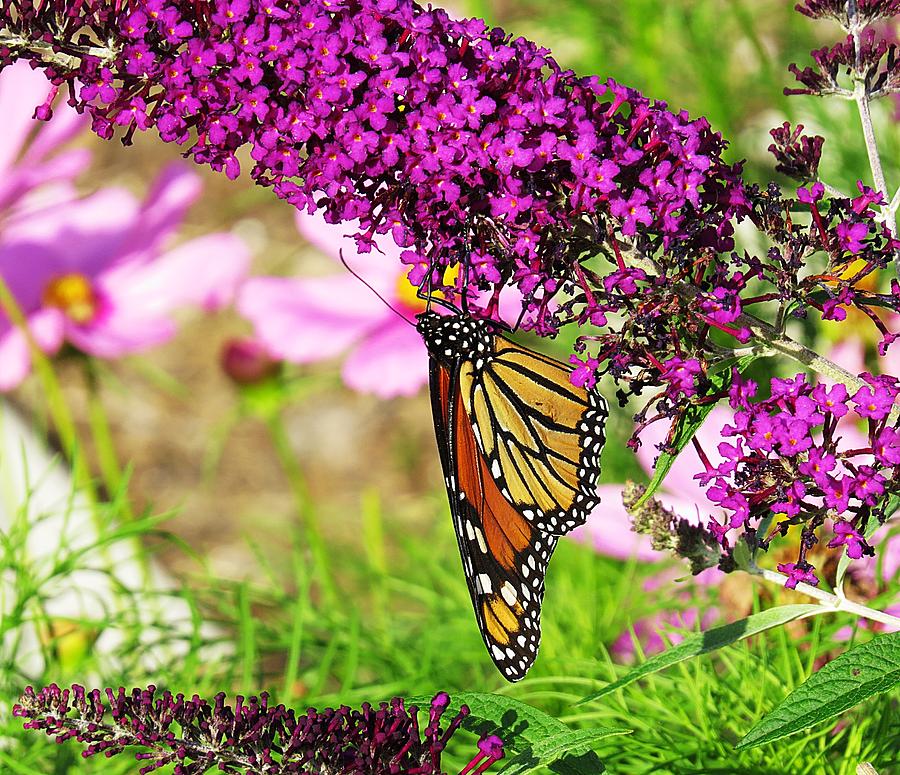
(509, 593)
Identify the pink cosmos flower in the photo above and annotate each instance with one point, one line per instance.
(310, 319)
(95, 272)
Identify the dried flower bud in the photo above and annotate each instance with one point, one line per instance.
(247, 362)
(250, 737)
(797, 154)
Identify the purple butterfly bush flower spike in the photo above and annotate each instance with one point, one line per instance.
(252, 735)
(444, 133)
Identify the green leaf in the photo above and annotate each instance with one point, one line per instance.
(688, 423)
(864, 671)
(711, 640)
(891, 504)
(566, 752)
(536, 739)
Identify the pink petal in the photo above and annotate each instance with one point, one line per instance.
(886, 541)
(121, 332)
(648, 631)
(15, 358)
(335, 238)
(309, 320)
(849, 354)
(65, 125)
(47, 329)
(20, 183)
(391, 361)
(893, 610)
(680, 479)
(86, 235)
(381, 268)
(21, 91)
(175, 189)
(204, 272)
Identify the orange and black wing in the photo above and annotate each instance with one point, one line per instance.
(541, 435)
(504, 555)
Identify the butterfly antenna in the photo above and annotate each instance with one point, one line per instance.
(521, 315)
(369, 286)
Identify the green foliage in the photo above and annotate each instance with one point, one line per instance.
(866, 670)
(536, 738)
(405, 627)
(712, 640)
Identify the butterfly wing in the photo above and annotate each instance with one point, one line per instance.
(504, 556)
(540, 434)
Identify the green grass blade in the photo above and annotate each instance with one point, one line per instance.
(711, 640)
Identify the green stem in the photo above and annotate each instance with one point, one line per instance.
(828, 600)
(783, 344)
(863, 98)
(305, 507)
(56, 402)
(108, 460)
(769, 336)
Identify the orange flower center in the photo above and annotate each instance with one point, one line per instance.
(74, 295)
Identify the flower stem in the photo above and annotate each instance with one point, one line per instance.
(862, 98)
(53, 55)
(829, 600)
(770, 337)
(783, 344)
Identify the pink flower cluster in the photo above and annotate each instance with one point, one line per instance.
(789, 463)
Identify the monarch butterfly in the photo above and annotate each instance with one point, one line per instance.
(520, 451)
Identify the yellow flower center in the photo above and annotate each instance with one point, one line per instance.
(73, 294)
(407, 294)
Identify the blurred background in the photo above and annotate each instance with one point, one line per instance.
(171, 409)
(239, 473)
